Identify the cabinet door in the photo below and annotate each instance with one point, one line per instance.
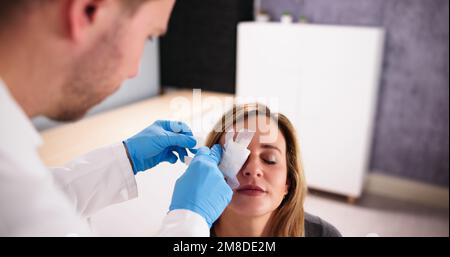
(325, 79)
(269, 65)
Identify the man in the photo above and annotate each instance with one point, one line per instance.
(58, 58)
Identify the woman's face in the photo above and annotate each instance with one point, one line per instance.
(263, 178)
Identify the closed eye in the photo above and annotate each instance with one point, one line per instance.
(270, 162)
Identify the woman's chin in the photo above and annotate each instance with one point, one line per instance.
(250, 209)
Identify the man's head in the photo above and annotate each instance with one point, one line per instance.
(83, 49)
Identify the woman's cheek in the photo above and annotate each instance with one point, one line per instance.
(277, 180)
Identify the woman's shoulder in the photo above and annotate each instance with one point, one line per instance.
(317, 227)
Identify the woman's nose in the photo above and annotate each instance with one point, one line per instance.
(252, 168)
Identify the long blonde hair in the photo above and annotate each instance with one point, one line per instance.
(288, 218)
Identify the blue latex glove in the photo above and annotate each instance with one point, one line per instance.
(157, 143)
(202, 188)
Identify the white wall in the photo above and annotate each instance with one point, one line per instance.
(145, 85)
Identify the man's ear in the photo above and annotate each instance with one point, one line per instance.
(81, 16)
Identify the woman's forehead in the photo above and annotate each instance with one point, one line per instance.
(259, 123)
(265, 128)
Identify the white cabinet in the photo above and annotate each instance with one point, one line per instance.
(325, 79)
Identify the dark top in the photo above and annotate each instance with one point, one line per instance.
(314, 227)
(317, 227)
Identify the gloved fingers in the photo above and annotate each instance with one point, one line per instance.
(175, 126)
(218, 173)
(204, 150)
(184, 141)
(181, 153)
(182, 127)
(192, 150)
(216, 153)
(170, 157)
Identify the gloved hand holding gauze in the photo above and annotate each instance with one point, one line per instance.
(235, 154)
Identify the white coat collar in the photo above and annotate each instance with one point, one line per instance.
(16, 129)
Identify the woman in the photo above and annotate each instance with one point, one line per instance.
(269, 200)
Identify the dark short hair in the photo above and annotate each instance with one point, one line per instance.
(9, 9)
(132, 5)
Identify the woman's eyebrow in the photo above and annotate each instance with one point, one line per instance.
(269, 146)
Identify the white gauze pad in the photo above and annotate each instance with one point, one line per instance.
(235, 154)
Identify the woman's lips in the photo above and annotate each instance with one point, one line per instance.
(251, 190)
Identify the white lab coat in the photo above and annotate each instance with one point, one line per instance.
(36, 201)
